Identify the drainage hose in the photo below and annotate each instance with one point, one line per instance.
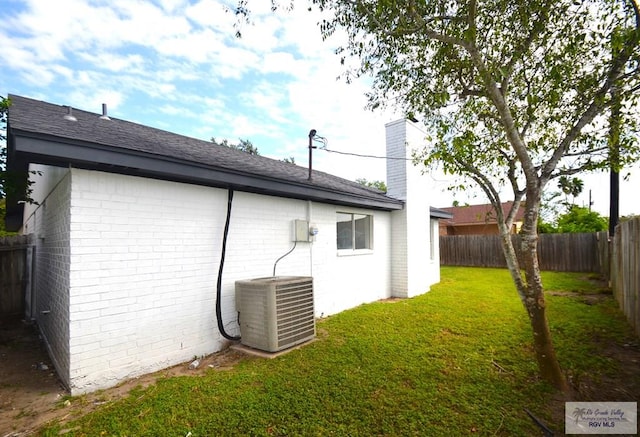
(219, 285)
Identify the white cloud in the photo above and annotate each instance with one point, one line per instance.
(177, 65)
(278, 62)
(92, 100)
(172, 5)
(114, 62)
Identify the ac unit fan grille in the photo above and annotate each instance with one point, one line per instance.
(294, 309)
(276, 313)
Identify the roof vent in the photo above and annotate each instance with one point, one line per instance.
(104, 115)
(69, 115)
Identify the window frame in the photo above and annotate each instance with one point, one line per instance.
(434, 232)
(369, 243)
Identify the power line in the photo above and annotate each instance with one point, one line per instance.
(325, 142)
(365, 156)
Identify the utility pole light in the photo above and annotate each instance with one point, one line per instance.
(312, 133)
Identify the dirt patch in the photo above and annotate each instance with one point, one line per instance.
(29, 385)
(621, 384)
(587, 298)
(31, 393)
(392, 300)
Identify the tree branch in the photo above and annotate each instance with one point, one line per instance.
(471, 21)
(598, 102)
(506, 118)
(537, 28)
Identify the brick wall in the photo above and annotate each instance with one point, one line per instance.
(397, 187)
(50, 223)
(144, 260)
(345, 281)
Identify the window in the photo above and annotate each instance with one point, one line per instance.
(354, 231)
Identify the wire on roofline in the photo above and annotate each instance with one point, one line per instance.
(366, 156)
(325, 143)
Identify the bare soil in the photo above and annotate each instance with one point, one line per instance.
(31, 393)
(621, 386)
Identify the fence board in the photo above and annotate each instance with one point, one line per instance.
(557, 252)
(618, 259)
(625, 270)
(15, 274)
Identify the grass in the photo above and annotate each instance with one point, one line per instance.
(455, 361)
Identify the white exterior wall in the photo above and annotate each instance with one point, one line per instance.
(413, 268)
(345, 281)
(49, 221)
(144, 259)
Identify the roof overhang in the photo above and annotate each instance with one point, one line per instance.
(39, 149)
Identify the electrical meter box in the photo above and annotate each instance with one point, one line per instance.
(301, 230)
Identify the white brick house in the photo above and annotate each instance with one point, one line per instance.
(129, 232)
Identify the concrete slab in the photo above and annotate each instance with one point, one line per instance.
(239, 347)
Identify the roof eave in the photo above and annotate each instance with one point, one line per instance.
(439, 213)
(37, 149)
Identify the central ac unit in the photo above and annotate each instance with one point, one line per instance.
(276, 313)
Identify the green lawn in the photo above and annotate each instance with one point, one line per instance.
(455, 361)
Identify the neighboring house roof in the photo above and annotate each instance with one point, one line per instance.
(38, 132)
(439, 213)
(477, 214)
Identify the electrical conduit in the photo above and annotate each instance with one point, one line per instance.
(219, 285)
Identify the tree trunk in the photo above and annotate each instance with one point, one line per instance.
(535, 305)
(548, 364)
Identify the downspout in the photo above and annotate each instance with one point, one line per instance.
(219, 285)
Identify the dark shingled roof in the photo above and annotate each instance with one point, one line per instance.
(39, 133)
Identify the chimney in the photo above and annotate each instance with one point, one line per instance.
(413, 269)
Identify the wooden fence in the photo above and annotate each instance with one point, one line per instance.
(625, 270)
(618, 260)
(557, 252)
(16, 257)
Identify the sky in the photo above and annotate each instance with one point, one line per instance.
(177, 65)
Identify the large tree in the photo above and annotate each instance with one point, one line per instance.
(15, 185)
(515, 94)
(4, 108)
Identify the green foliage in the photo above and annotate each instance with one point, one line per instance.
(4, 109)
(244, 146)
(3, 209)
(378, 185)
(570, 187)
(247, 146)
(546, 228)
(513, 92)
(450, 361)
(14, 184)
(580, 219)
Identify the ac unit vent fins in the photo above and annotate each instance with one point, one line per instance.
(276, 313)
